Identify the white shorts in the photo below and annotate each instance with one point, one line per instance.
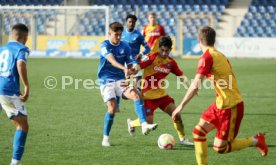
(111, 90)
(13, 106)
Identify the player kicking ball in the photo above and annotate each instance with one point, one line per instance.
(156, 68)
(114, 54)
(226, 113)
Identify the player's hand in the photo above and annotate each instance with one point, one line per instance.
(125, 83)
(25, 96)
(134, 70)
(127, 73)
(138, 57)
(176, 112)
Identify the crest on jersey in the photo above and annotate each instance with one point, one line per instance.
(122, 51)
(169, 65)
(103, 50)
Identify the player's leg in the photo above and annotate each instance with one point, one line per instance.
(20, 136)
(118, 103)
(226, 141)
(150, 107)
(200, 141)
(168, 106)
(109, 97)
(132, 94)
(17, 112)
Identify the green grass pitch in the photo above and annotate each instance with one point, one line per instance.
(66, 125)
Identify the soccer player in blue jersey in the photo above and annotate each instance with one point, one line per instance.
(135, 39)
(114, 54)
(13, 69)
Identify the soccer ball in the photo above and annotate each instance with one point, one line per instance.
(166, 141)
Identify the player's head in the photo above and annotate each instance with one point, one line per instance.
(207, 37)
(152, 19)
(165, 46)
(20, 33)
(115, 32)
(131, 21)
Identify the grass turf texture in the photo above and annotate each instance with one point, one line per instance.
(66, 125)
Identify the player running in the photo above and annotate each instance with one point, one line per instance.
(13, 68)
(152, 32)
(114, 54)
(156, 68)
(226, 113)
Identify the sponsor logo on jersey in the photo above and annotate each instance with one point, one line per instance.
(153, 34)
(160, 69)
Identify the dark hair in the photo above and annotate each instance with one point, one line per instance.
(207, 36)
(116, 26)
(20, 28)
(131, 16)
(165, 41)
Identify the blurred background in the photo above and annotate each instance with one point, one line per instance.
(75, 28)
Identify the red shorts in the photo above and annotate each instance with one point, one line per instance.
(226, 121)
(152, 105)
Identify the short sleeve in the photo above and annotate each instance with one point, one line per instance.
(104, 51)
(175, 69)
(22, 55)
(149, 61)
(162, 31)
(205, 64)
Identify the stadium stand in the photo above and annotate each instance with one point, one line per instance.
(167, 12)
(21, 16)
(259, 21)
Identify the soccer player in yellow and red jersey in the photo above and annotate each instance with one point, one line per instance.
(152, 32)
(226, 113)
(156, 68)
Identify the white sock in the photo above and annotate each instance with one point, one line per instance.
(255, 141)
(15, 162)
(143, 124)
(105, 137)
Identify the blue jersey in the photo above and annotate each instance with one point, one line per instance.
(106, 71)
(9, 78)
(135, 40)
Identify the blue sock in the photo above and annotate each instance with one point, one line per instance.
(19, 144)
(108, 121)
(140, 110)
(118, 102)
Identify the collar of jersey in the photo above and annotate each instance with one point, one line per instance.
(113, 44)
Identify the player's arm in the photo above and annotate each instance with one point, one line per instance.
(204, 68)
(145, 45)
(162, 31)
(144, 63)
(110, 58)
(22, 71)
(104, 52)
(192, 91)
(179, 73)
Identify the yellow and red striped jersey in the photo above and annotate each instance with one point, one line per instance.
(215, 66)
(152, 35)
(156, 69)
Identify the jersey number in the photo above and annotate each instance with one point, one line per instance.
(4, 56)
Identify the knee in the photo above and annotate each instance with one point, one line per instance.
(199, 133)
(220, 149)
(111, 107)
(136, 96)
(23, 126)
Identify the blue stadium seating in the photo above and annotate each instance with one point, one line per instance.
(260, 20)
(167, 12)
(31, 2)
